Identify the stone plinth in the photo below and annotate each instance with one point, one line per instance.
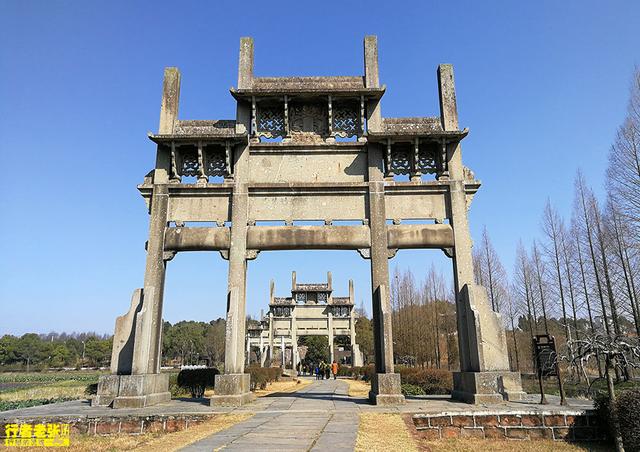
(132, 391)
(487, 387)
(385, 390)
(232, 390)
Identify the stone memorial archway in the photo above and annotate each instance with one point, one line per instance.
(300, 149)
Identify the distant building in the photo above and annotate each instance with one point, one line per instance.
(311, 310)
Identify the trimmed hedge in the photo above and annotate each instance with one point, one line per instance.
(411, 390)
(261, 376)
(431, 381)
(364, 373)
(197, 380)
(627, 410)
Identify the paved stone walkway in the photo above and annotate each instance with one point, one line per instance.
(318, 417)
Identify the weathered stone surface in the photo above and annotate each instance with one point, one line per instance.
(132, 391)
(486, 387)
(385, 389)
(232, 390)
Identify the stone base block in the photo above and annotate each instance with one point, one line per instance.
(132, 391)
(386, 390)
(487, 387)
(232, 390)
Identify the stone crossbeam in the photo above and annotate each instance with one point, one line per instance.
(272, 238)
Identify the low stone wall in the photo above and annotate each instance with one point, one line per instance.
(110, 425)
(565, 426)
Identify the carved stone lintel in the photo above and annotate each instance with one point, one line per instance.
(252, 254)
(365, 253)
(224, 254)
(391, 253)
(448, 252)
(169, 255)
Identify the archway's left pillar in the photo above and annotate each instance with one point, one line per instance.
(136, 380)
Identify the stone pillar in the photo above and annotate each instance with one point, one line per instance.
(248, 352)
(330, 330)
(137, 347)
(294, 341)
(385, 386)
(484, 375)
(372, 80)
(263, 353)
(271, 338)
(232, 387)
(283, 356)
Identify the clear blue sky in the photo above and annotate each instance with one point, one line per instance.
(541, 85)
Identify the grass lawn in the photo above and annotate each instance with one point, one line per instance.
(358, 388)
(383, 432)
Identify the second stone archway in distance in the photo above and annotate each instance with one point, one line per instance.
(311, 310)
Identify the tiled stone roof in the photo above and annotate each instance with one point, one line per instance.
(312, 287)
(206, 127)
(341, 301)
(402, 126)
(282, 300)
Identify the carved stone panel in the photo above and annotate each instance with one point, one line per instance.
(215, 161)
(346, 119)
(401, 158)
(427, 158)
(188, 165)
(308, 119)
(270, 121)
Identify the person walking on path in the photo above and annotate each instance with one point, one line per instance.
(317, 372)
(334, 369)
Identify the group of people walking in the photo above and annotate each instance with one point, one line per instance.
(323, 370)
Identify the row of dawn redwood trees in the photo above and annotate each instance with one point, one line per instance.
(579, 277)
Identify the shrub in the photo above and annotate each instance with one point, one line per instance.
(197, 380)
(261, 376)
(364, 373)
(91, 389)
(408, 389)
(345, 371)
(431, 381)
(628, 412)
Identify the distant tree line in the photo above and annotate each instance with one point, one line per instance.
(40, 351)
(186, 342)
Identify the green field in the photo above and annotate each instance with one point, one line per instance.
(23, 389)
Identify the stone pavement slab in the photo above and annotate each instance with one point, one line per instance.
(301, 421)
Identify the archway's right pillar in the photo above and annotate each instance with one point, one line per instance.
(484, 375)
